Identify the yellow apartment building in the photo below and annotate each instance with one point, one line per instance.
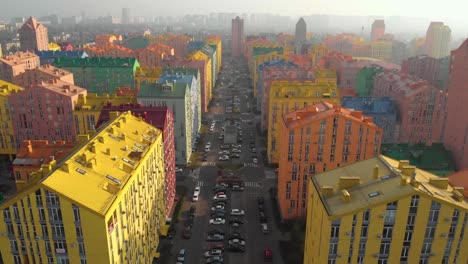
(381, 50)
(216, 40)
(384, 211)
(8, 144)
(103, 204)
(198, 55)
(147, 74)
(259, 60)
(88, 109)
(286, 96)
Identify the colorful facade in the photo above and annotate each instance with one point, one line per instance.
(217, 41)
(381, 210)
(154, 55)
(418, 106)
(319, 138)
(364, 83)
(147, 74)
(176, 96)
(12, 65)
(44, 111)
(117, 211)
(33, 36)
(195, 97)
(163, 119)
(206, 93)
(8, 141)
(435, 71)
(382, 110)
(53, 46)
(285, 97)
(109, 51)
(88, 109)
(48, 57)
(44, 73)
(101, 75)
(258, 61)
(381, 50)
(33, 154)
(456, 123)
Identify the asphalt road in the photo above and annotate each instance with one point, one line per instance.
(256, 184)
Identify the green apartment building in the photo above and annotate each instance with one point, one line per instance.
(100, 75)
(365, 80)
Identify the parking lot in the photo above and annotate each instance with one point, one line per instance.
(237, 238)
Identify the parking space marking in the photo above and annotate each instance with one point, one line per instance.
(250, 165)
(253, 184)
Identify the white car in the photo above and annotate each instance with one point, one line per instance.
(236, 151)
(255, 160)
(177, 169)
(237, 212)
(224, 152)
(224, 157)
(213, 252)
(197, 190)
(195, 197)
(217, 221)
(220, 196)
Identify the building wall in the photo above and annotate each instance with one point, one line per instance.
(206, 93)
(365, 80)
(416, 101)
(11, 66)
(456, 127)
(42, 113)
(145, 74)
(181, 109)
(319, 145)
(286, 97)
(435, 71)
(34, 37)
(237, 37)
(364, 230)
(8, 141)
(45, 73)
(438, 38)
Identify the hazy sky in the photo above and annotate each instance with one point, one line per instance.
(437, 10)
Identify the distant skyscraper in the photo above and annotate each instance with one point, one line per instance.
(33, 36)
(378, 29)
(237, 37)
(300, 36)
(126, 15)
(456, 126)
(438, 40)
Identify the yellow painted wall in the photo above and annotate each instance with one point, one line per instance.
(8, 144)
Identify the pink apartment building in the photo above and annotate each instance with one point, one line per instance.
(456, 126)
(44, 73)
(44, 111)
(433, 70)
(417, 102)
(180, 44)
(237, 37)
(12, 65)
(154, 55)
(347, 70)
(33, 36)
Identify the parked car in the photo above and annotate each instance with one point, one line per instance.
(237, 212)
(221, 197)
(218, 214)
(237, 187)
(265, 229)
(224, 146)
(177, 169)
(217, 221)
(187, 232)
(219, 203)
(215, 237)
(213, 252)
(181, 255)
(267, 254)
(260, 199)
(214, 259)
(217, 207)
(235, 156)
(195, 198)
(263, 218)
(216, 231)
(255, 160)
(236, 241)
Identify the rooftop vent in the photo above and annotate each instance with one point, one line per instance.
(349, 182)
(345, 196)
(441, 183)
(327, 190)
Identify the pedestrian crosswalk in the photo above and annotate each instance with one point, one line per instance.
(200, 183)
(207, 163)
(253, 184)
(250, 165)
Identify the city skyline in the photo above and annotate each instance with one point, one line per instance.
(385, 8)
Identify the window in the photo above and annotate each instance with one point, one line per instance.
(333, 248)
(76, 213)
(384, 248)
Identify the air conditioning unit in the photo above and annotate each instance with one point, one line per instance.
(447, 219)
(443, 235)
(339, 255)
(348, 233)
(375, 255)
(379, 236)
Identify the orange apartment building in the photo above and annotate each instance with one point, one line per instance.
(12, 65)
(44, 73)
(315, 139)
(109, 50)
(35, 153)
(108, 39)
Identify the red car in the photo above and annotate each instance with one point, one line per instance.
(267, 254)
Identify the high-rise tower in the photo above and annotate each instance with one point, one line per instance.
(300, 35)
(33, 36)
(438, 40)
(378, 29)
(237, 30)
(126, 16)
